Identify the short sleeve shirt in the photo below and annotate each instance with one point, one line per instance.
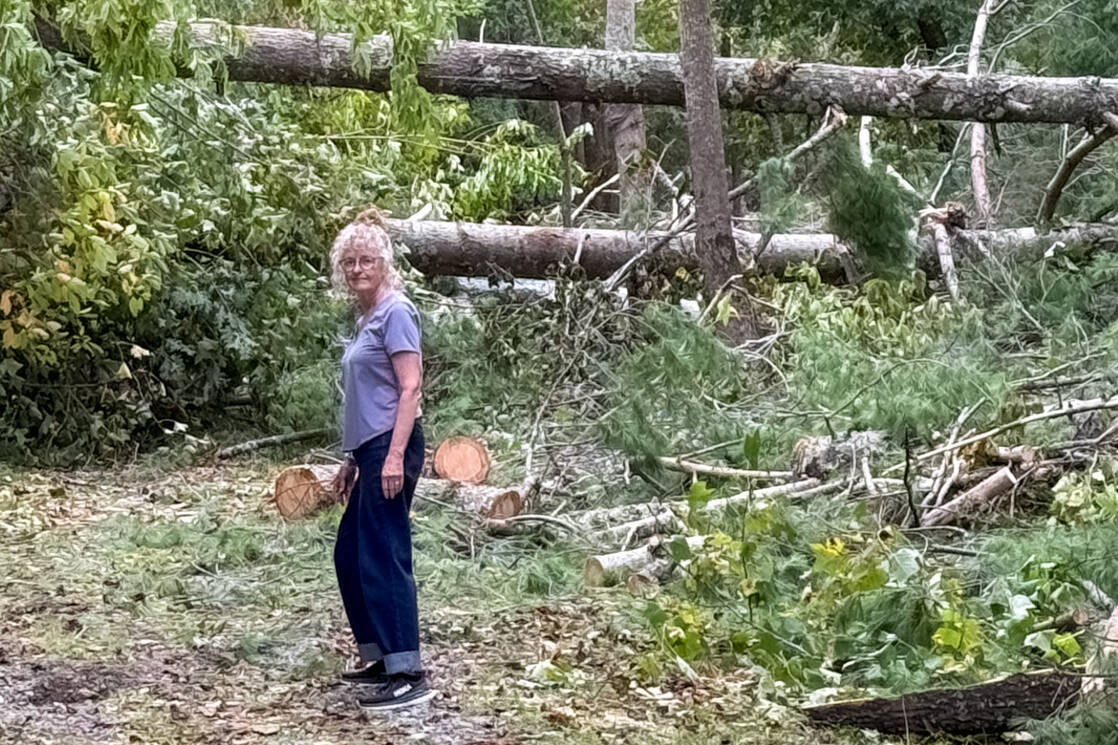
(371, 391)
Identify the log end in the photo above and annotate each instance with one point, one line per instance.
(594, 574)
(505, 505)
(300, 490)
(462, 459)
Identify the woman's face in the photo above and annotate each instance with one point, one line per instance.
(364, 272)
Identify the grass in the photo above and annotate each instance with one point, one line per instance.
(211, 616)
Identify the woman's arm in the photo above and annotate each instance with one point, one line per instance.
(409, 376)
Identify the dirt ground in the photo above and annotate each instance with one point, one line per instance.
(148, 606)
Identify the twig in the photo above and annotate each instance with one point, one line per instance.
(263, 442)
(595, 192)
(1080, 408)
(693, 467)
(914, 513)
(564, 151)
(548, 519)
(717, 296)
(947, 168)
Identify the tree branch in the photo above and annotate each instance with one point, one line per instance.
(978, 129)
(1088, 144)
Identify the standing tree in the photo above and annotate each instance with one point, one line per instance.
(714, 238)
(626, 121)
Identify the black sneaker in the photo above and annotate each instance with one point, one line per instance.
(401, 690)
(373, 674)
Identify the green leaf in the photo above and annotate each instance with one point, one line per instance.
(947, 636)
(725, 310)
(1068, 644)
(679, 549)
(698, 495)
(751, 448)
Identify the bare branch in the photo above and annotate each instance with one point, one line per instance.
(1088, 144)
(978, 129)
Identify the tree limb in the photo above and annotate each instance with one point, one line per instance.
(1071, 162)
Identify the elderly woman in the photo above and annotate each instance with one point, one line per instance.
(383, 439)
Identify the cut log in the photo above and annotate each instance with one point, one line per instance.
(478, 250)
(493, 502)
(462, 459)
(982, 493)
(302, 490)
(651, 560)
(986, 708)
(302, 57)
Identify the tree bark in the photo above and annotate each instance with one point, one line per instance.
(626, 121)
(477, 250)
(473, 69)
(984, 708)
(714, 238)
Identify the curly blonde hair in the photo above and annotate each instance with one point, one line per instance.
(368, 233)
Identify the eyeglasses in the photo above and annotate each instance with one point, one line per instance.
(364, 262)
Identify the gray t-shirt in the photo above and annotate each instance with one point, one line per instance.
(369, 384)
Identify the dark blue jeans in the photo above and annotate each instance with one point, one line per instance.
(372, 558)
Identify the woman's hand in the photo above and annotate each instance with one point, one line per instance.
(344, 480)
(392, 475)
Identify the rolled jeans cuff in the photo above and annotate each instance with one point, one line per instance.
(370, 652)
(403, 662)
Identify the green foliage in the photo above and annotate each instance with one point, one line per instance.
(870, 211)
(1073, 43)
(1087, 497)
(1085, 724)
(875, 359)
(779, 207)
(23, 64)
(667, 390)
(865, 610)
(514, 169)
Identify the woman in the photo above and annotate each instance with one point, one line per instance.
(381, 433)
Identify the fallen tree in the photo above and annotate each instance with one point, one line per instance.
(479, 250)
(301, 57)
(984, 708)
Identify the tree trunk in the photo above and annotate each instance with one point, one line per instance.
(714, 239)
(984, 708)
(477, 250)
(626, 122)
(472, 69)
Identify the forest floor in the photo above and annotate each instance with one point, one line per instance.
(147, 605)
